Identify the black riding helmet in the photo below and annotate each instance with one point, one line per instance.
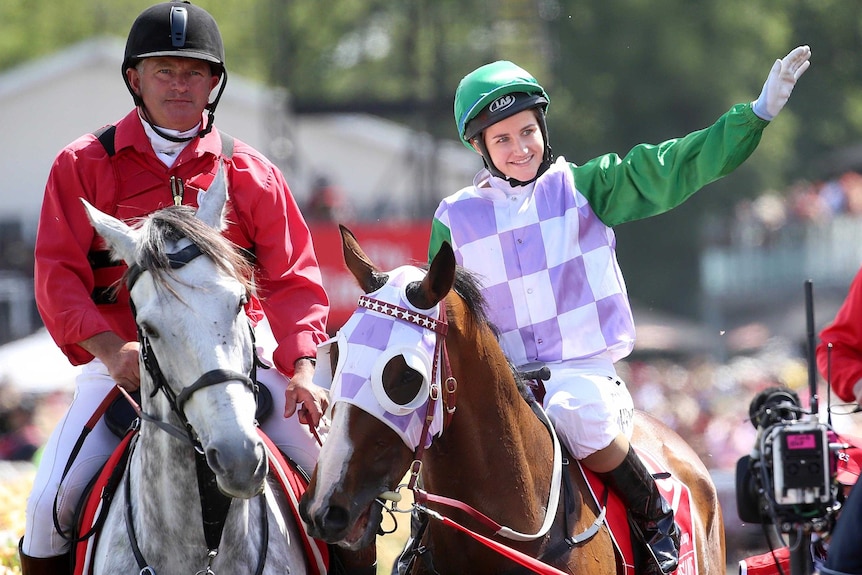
(176, 28)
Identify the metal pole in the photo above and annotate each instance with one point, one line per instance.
(800, 552)
(812, 360)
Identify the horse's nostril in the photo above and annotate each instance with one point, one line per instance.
(212, 455)
(335, 520)
(252, 462)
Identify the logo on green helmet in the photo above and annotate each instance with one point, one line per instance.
(501, 103)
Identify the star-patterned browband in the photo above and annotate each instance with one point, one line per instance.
(400, 313)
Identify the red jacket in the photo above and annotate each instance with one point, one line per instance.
(845, 335)
(71, 268)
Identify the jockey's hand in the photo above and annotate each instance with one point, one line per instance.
(780, 82)
(122, 358)
(301, 394)
(125, 367)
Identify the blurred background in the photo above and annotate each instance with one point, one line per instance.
(353, 100)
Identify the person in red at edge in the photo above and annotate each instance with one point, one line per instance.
(165, 151)
(839, 360)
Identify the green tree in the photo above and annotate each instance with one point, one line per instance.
(628, 71)
(29, 30)
(32, 29)
(619, 72)
(829, 105)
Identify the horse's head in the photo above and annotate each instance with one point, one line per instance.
(188, 287)
(382, 368)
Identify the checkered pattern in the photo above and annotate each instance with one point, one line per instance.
(367, 335)
(548, 265)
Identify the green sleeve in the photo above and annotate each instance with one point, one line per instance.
(439, 234)
(652, 179)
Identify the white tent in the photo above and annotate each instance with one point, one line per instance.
(35, 364)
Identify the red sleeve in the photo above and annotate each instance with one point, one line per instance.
(287, 274)
(845, 335)
(63, 277)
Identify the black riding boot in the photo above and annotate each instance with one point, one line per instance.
(370, 570)
(650, 515)
(44, 566)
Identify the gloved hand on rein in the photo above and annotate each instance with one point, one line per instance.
(780, 82)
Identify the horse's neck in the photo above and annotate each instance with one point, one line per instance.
(165, 479)
(167, 462)
(496, 456)
(494, 437)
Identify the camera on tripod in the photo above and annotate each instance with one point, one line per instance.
(788, 479)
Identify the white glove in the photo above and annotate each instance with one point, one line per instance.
(782, 77)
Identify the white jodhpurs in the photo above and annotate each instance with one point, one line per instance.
(588, 410)
(40, 537)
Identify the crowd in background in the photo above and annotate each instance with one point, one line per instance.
(705, 401)
(26, 420)
(772, 216)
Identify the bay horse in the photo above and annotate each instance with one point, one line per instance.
(469, 435)
(198, 495)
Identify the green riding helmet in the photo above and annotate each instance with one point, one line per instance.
(492, 93)
(482, 86)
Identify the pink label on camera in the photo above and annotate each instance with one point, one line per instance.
(800, 441)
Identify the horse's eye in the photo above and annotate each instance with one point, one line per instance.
(400, 382)
(149, 330)
(411, 377)
(242, 303)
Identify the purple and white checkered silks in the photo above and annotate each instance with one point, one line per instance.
(366, 342)
(548, 266)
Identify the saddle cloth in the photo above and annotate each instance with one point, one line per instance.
(770, 563)
(291, 480)
(674, 491)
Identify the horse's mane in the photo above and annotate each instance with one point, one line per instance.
(468, 286)
(174, 223)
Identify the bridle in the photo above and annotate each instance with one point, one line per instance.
(214, 504)
(176, 402)
(441, 368)
(438, 372)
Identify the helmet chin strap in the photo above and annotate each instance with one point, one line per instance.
(146, 117)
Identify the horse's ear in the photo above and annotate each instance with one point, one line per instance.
(212, 207)
(439, 279)
(368, 275)
(121, 238)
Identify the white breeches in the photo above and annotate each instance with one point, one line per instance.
(589, 409)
